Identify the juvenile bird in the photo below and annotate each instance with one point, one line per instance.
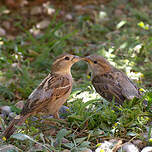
(50, 95)
(110, 82)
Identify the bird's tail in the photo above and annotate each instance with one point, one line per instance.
(17, 121)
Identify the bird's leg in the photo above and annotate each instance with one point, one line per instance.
(56, 115)
(59, 120)
(53, 122)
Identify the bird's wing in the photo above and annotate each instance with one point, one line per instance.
(108, 88)
(52, 88)
(117, 84)
(129, 89)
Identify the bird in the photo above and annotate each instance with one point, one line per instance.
(50, 94)
(109, 82)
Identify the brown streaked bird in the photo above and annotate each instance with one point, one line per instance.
(110, 82)
(50, 95)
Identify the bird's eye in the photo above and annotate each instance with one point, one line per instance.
(95, 62)
(67, 58)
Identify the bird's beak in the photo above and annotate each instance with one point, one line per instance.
(76, 58)
(87, 59)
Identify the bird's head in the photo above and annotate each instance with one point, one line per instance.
(98, 64)
(63, 63)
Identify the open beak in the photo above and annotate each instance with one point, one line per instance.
(87, 59)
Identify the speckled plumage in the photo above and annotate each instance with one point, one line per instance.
(50, 95)
(110, 82)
